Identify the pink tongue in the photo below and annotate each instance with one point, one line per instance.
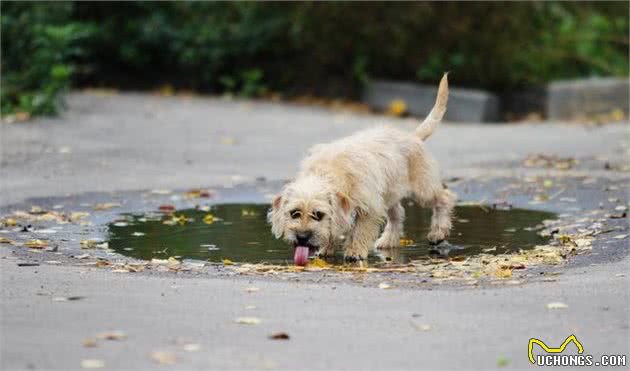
(301, 255)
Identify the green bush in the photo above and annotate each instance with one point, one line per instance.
(322, 48)
(38, 42)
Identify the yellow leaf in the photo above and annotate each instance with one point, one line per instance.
(317, 262)
(406, 242)
(503, 273)
(9, 222)
(36, 244)
(227, 262)
(208, 219)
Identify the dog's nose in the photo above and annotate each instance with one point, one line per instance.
(303, 237)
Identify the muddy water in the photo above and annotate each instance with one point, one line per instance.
(239, 232)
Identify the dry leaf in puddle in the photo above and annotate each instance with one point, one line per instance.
(247, 320)
(557, 305)
(92, 363)
(208, 219)
(164, 358)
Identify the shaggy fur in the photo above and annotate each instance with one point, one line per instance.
(347, 189)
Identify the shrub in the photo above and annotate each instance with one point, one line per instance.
(38, 42)
(322, 48)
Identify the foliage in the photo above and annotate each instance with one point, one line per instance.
(37, 43)
(322, 48)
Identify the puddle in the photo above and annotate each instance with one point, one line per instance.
(240, 233)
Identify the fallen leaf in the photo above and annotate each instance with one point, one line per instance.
(106, 206)
(89, 244)
(191, 347)
(197, 193)
(9, 222)
(78, 215)
(557, 305)
(164, 358)
(502, 361)
(36, 244)
(621, 236)
(167, 209)
(112, 335)
(227, 262)
(503, 272)
(67, 298)
(421, 327)
(89, 343)
(247, 320)
(279, 336)
(319, 263)
(252, 289)
(384, 286)
(406, 242)
(92, 363)
(208, 219)
(6, 240)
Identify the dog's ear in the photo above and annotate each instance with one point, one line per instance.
(341, 215)
(274, 217)
(343, 202)
(276, 202)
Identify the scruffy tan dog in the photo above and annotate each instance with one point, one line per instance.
(346, 189)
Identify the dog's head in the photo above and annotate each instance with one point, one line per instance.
(309, 212)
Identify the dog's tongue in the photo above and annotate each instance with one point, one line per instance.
(301, 255)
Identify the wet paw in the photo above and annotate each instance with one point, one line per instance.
(352, 259)
(386, 242)
(437, 235)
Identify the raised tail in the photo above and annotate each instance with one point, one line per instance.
(437, 112)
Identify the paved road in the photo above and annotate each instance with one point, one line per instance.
(132, 141)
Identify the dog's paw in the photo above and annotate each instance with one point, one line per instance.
(437, 235)
(325, 252)
(387, 242)
(352, 259)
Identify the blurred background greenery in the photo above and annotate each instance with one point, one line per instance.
(326, 48)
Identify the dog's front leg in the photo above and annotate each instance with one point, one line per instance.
(327, 250)
(362, 238)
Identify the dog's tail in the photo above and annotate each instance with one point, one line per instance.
(437, 112)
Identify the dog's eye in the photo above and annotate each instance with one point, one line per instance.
(318, 216)
(295, 214)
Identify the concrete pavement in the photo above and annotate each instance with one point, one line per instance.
(133, 141)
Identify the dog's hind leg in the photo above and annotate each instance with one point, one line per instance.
(362, 238)
(393, 229)
(428, 191)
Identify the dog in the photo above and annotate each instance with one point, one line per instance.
(346, 190)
